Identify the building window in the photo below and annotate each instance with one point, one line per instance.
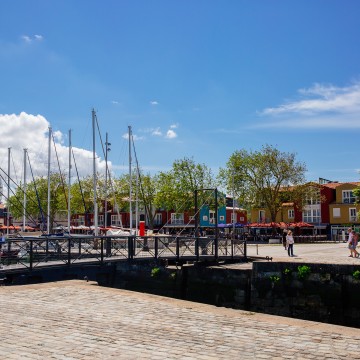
(352, 214)
(311, 215)
(115, 220)
(291, 214)
(348, 197)
(81, 220)
(307, 215)
(101, 220)
(192, 218)
(177, 218)
(158, 219)
(222, 218)
(212, 217)
(336, 212)
(233, 217)
(312, 200)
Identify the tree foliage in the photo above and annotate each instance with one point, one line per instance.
(37, 199)
(263, 178)
(176, 188)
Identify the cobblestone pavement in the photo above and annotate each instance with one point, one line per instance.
(80, 320)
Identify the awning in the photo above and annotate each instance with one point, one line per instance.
(264, 225)
(11, 227)
(301, 224)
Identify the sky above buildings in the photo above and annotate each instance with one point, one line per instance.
(198, 79)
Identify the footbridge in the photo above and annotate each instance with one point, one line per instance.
(29, 254)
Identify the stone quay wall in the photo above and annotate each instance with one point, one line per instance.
(319, 292)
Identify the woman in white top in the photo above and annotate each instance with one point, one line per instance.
(290, 243)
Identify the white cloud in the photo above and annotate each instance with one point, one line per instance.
(31, 132)
(174, 126)
(29, 39)
(156, 132)
(154, 102)
(26, 38)
(171, 134)
(326, 99)
(135, 137)
(114, 102)
(313, 122)
(319, 106)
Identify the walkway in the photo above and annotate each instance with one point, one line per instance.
(80, 320)
(331, 253)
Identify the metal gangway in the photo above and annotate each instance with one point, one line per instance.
(44, 251)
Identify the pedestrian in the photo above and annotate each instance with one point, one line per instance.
(352, 243)
(290, 243)
(355, 243)
(284, 238)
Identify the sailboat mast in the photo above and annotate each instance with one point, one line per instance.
(94, 176)
(8, 195)
(48, 195)
(107, 144)
(69, 184)
(130, 180)
(24, 207)
(137, 202)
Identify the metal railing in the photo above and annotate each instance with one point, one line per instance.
(32, 252)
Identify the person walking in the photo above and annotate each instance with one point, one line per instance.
(355, 243)
(290, 243)
(352, 243)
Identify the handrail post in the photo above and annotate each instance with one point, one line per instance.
(216, 226)
(69, 251)
(31, 255)
(197, 248)
(156, 247)
(232, 247)
(177, 248)
(130, 247)
(79, 239)
(47, 247)
(102, 250)
(9, 249)
(245, 250)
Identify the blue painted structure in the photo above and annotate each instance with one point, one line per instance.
(205, 216)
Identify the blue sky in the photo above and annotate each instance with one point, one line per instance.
(194, 79)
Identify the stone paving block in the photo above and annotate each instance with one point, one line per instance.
(78, 320)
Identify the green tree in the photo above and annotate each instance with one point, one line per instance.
(37, 199)
(263, 178)
(147, 195)
(176, 188)
(166, 196)
(82, 196)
